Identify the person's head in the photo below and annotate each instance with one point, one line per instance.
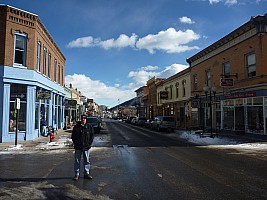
(83, 119)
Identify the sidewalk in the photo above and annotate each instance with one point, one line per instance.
(33, 143)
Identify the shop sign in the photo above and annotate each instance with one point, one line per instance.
(43, 95)
(240, 95)
(227, 82)
(163, 95)
(72, 102)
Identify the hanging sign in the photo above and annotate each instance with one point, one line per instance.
(43, 95)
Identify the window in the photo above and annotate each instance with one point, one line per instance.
(171, 91)
(49, 65)
(55, 70)
(20, 49)
(17, 90)
(177, 89)
(38, 56)
(184, 82)
(208, 77)
(226, 70)
(44, 67)
(195, 86)
(251, 65)
(59, 73)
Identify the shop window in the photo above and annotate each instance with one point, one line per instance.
(20, 49)
(255, 119)
(258, 101)
(228, 118)
(251, 65)
(18, 91)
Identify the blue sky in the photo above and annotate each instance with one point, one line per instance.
(112, 47)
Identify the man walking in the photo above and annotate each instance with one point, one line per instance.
(82, 137)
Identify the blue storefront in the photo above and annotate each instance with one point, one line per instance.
(27, 85)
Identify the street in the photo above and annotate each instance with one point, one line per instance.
(132, 162)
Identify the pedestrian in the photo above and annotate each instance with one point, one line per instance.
(43, 126)
(82, 137)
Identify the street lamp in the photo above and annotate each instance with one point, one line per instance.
(211, 90)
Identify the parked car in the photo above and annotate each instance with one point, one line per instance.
(141, 121)
(148, 123)
(95, 123)
(134, 121)
(163, 122)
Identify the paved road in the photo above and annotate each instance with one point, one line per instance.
(130, 162)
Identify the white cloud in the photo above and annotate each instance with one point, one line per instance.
(226, 2)
(170, 41)
(98, 90)
(122, 41)
(142, 75)
(109, 95)
(82, 42)
(186, 20)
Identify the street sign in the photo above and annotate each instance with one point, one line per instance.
(227, 82)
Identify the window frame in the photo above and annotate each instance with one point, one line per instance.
(248, 66)
(24, 50)
(39, 46)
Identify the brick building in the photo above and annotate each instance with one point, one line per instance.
(31, 69)
(233, 71)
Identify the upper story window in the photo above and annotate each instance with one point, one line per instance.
(49, 65)
(59, 76)
(177, 89)
(20, 49)
(208, 77)
(171, 91)
(226, 69)
(184, 88)
(55, 70)
(195, 86)
(38, 56)
(44, 63)
(251, 65)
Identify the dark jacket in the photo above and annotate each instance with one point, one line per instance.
(82, 136)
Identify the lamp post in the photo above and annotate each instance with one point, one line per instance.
(210, 89)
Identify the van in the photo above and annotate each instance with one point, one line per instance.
(163, 123)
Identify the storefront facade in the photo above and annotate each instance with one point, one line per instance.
(32, 106)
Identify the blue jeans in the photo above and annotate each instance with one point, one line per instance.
(86, 163)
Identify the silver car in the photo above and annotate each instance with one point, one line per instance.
(163, 122)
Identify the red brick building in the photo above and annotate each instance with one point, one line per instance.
(234, 72)
(31, 69)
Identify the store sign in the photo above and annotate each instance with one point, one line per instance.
(195, 103)
(240, 95)
(163, 95)
(227, 82)
(43, 95)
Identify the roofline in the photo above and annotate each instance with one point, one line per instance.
(6, 5)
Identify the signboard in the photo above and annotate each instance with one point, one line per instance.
(163, 95)
(195, 103)
(227, 82)
(43, 95)
(17, 103)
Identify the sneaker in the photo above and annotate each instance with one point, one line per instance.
(87, 176)
(76, 178)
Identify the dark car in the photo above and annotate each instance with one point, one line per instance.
(95, 123)
(163, 122)
(141, 121)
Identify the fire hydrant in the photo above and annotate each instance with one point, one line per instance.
(52, 136)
